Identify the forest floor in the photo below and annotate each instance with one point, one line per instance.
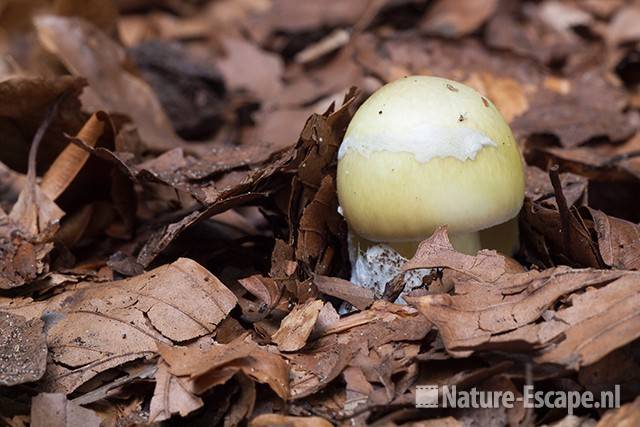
(171, 250)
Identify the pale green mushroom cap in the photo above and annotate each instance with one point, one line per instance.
(423, 152)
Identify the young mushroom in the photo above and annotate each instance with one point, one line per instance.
(423, 152)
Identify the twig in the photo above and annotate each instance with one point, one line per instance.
(563, 208)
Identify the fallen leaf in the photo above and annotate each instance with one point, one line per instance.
(621, 29)
(23, 349)
(455, 18)
(248, 67)
(296, 328)
(54, 410)
(68, 164)
(572, 130)
(515, 310)
(324, 359)
(215, 366)
(190, 88)
(113, 87)
(170, 397)
(359, 297)
(266, 420)
(506, 93)
(626, 415)
(618, 240)
(97, 326)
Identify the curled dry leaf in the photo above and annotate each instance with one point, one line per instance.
(318, 221)
(201, 369)
(23, 349)
(266, 290)
(573, 244)
(69, 163)
(296, 328)
(170, 397)
(618, 240)
(97, 326)
(520, 311)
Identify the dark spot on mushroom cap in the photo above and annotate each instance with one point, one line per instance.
(451, 88)
(380, 112)
(485, 102)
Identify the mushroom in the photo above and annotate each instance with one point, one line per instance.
(422, 152)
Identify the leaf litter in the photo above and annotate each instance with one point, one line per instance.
(172, 250)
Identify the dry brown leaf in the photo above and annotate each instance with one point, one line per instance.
(68, 164)
(317, 222)
(357, 296)
(592, 108)
(248, 67)
(266, 290)
(622, 27)
(22, 261)
(316, 149)
(202, 370)
(27, 232)
(515, 310)
(618, 240)
(560, 234)
(36, 214)
(170, 397)
(292, 16)
(97, 326)
(54, 410)
(23, 349)
(528, 34)
(324, 359)
(296, 328)
(626, 415)
(573, 123)
(539, 188)
(506, 93)
(113, 87)
(243, 406)
(456, 18)
(267, 420)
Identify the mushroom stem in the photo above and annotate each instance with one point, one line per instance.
(467, 243)
(503, 238)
